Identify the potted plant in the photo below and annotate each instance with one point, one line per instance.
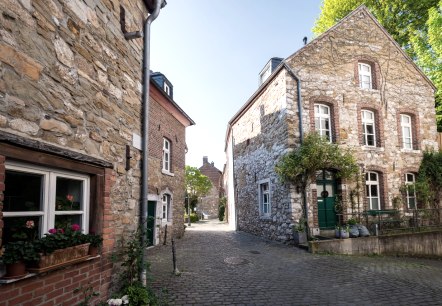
(299, 233)
(59, 247)
(95, 243)
(15, 257)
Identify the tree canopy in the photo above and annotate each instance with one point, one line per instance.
(197, 184)
(315, 153)
(415, 25)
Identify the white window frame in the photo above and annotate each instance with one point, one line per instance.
(265, 73)
(166, 155)
(165, 207)
(407, 141)
(368, 122)
(265, 208)
(166, 88)
(321, 116)
(369, 183)
(365, 84)
(410, 195)
(48, 210)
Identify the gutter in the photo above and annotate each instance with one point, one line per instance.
(145, 127)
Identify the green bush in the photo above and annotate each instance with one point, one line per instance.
(222, 208)
(193, 218)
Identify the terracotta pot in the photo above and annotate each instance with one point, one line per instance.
(93, 251)
(16, 269)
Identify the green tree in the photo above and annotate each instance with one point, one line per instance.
(415, 25)
(197, 185)
(316, 153)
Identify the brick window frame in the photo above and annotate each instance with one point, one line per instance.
(379, 125)
(334, 114)
(375, 71)
(383, 187)
(414, 127)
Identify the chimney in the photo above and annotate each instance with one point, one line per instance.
(205, 160)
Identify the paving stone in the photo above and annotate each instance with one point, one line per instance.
(284, 275)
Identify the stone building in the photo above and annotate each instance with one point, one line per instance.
(353, 85)
(209, 204)
(70, 123)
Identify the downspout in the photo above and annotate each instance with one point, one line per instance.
(145, 129)
(301, 137)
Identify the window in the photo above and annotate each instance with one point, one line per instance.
(264, 199)
(322, 121)
(368, 128)
(372, 189)
(407, 134)
(410, 179)
(165, 207)
(265, 74)
(166, 155)
(365, 76)
(40, 198)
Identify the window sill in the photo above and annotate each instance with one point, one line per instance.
(266, 218)
(166, 222)
(167, 173)
(5, 281)
(367, 148)
(412, 151)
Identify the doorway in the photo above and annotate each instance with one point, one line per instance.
(326, 188)
(151, 207)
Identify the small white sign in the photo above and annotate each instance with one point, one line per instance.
(136, 141)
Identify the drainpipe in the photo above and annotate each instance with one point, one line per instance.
(301, 136)
(145, 128)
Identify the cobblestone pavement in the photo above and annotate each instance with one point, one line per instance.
(221, 267)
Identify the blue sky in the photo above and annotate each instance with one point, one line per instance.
(213, 50)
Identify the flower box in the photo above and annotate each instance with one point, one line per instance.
(61, 257)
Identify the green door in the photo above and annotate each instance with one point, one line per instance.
(150, 220)
(326, 187)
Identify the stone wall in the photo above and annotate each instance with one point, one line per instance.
(260, 138)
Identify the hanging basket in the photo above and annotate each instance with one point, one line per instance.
(61, 257)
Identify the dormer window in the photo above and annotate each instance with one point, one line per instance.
(265, 74)
(365, 76)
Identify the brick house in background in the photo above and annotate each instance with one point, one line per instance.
(209, 204)
(353, 85)
(70, 104)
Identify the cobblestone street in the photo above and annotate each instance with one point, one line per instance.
(221, 267)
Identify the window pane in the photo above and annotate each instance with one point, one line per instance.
(373, 177)
(374, 190)
(374, 203)
(370, 140)
(317, 124)
(69, 194)
(411, 202)
(23, 191)
(65, 221)
(410, 177)
(21, 228)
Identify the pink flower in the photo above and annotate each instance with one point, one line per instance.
(30, 224)
(52, 231)
(60, 230)
(75, 227)
(70, 197)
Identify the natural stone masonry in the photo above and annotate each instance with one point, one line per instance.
(267, 126)
(241, 269)
(70, 89)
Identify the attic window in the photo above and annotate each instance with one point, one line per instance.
(265, 74)
(166, 88)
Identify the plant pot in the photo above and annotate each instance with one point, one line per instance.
(15, 270)
(344, 234)
(299, 238)
(93, 250)
(61, 257)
